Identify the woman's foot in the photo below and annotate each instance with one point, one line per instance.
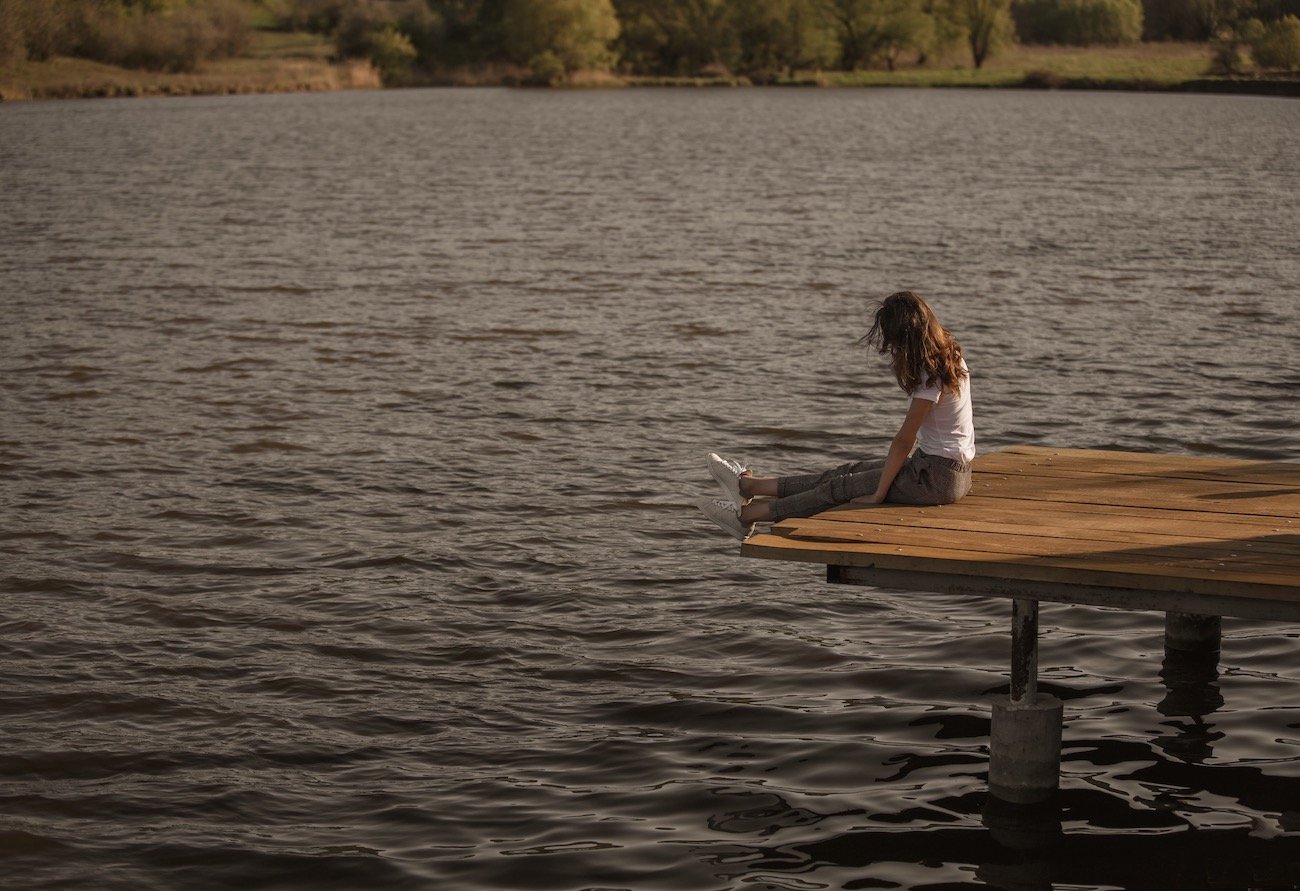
(756, 512)
(726, 515)
(728, 475)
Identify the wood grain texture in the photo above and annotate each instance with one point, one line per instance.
(1221, 529)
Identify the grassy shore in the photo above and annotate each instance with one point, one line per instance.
(274, 63)
(277, 62)
(1148, 66)
(1156, 65)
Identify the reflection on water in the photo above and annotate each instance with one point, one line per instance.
(1020, 847)
(349, 446)
(1192, 693)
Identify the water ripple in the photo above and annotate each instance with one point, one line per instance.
(350, 446)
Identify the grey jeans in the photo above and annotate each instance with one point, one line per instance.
(924, 479)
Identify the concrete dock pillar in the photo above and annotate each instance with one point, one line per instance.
(1193, 633)
(1025, 742)
(1025, 749)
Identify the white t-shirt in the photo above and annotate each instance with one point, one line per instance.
(949, 430)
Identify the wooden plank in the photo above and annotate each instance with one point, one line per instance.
(978, 504)
(1278, 473)
(1125, 529)
(1110, 460)
(1087, 481)
(1059, 571)
(1038, 540)
(1022, 546)
(992, 517)
(1086, 455)
(1153, 493)
(1102, 533)
(1007, 466)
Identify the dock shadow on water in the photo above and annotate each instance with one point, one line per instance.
(350, 441)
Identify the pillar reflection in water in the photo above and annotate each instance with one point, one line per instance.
(1024, 838)
(1190, 673)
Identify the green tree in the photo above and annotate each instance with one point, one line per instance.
(395, 35)
(1277, 44)
(34, 29)
(869, 30)
(780, 35)
(468, 32)
(174, 35)
(1267, 10)
(392, 53)
(319, 16)
(945, 31)
(471, 30)
(1188, 19)
(908, 29)
(1078, 22)
(858, 28)
(987, 24)
(679, 36)
(577, 32)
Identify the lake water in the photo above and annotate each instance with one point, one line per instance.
(349, 444)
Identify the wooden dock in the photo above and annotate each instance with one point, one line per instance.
(1196, 538)
(1126, 529)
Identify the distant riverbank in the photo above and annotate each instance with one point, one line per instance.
(274, 63)
(279, 63)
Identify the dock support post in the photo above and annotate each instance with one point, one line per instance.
(1189, 672)
(1025, 742)
(1024, 649)
(1193, 633)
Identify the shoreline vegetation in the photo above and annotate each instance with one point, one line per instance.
(281, 63)
(51, 49)
(279, 68)
(272, 63)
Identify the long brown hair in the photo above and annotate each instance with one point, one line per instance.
(920, 350)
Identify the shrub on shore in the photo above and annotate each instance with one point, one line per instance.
(1273, 46)
(987, 24)
(390, 35)
(177, 38)
(550, 41)
(392, 54)
(1078, 22)
(31, 29)
(559, 34)
(1277, 45)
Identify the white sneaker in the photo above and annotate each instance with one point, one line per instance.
(727, 474)
(726, 515)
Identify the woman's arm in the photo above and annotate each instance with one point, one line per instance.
(899, 449)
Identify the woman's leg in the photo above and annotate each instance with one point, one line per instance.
(804, 482)
(833, 491)
(778, 486)
(751, 486)
(922, 480)
(822, 491)
(756, 512)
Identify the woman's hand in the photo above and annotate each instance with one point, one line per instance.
(901, 446)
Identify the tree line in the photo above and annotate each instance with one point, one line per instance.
(166, 35)
(762, 40)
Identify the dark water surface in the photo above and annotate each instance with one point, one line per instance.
(349, 441)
